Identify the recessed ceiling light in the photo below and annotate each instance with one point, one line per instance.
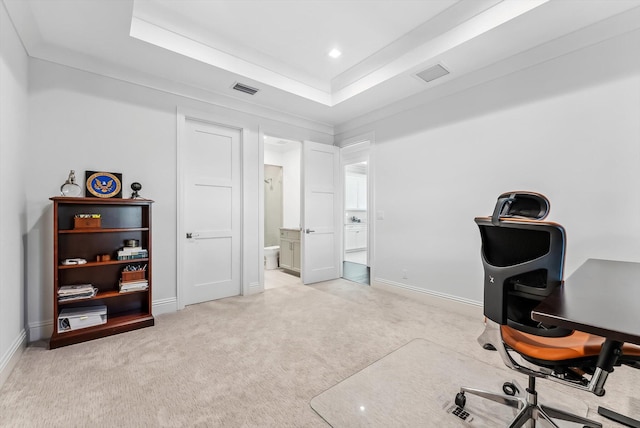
(335, 53)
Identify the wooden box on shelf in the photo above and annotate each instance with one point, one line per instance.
(86, 223)
(134, 275)
(119, 219)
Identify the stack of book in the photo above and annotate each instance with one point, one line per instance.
(76, 292)
(132, 253)
(136, 285)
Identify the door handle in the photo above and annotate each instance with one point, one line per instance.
(309, 231)
(189, 235)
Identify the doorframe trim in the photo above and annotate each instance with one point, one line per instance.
(182, 115)
(260, 286)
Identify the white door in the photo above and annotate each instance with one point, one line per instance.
(211, 216)
(321, 215)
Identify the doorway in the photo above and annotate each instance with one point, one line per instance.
(355, 178)
(282, 187)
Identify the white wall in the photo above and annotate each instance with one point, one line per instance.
(13, 142)
(568, 128)
(290, 161)
(84, 121)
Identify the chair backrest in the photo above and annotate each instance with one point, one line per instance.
(523, 261)
(519, 204)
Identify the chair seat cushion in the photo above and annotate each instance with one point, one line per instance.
(576, 345)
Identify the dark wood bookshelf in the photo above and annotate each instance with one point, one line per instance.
(120, 220)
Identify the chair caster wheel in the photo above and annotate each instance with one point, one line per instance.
(489, 347)
(460, 400)
(509, 388)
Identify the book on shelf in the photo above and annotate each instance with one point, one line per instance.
(134, 282)
(129, 290)
(76, 288)
(142, 284)
(132, 255)
(130, 250)
(68, 293)
(137, 256)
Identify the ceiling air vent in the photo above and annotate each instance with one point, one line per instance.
(432, 73)
(244, 88)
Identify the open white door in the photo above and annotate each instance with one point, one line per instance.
(320, 213)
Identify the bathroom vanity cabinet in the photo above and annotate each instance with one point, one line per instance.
(290, 249)
(355, 237)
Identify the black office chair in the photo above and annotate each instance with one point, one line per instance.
(523, 259)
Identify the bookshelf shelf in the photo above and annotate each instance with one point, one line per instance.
(103, 230)
(116, 324)
(121, 220)
(110, 262)
(102, 295)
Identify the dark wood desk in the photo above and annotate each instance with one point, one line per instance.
(601, 297)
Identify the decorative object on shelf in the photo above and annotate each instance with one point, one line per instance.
(131, 242)
(136, 187)
(74, 261)
(133, 278)
(70, 188)
(132, 275)
(103, 184)
(103, 257)
(87, 221)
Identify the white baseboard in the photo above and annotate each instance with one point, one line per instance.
(164, 306)
(255, 287)
(11, 357)
(43, 330)
(40, 330)
(453, 303)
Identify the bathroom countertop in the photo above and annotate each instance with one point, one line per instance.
(295, 229)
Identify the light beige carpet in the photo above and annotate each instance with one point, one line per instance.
(254, 361)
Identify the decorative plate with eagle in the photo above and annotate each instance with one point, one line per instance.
(104, 184)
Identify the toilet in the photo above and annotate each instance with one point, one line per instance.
(271, 257)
